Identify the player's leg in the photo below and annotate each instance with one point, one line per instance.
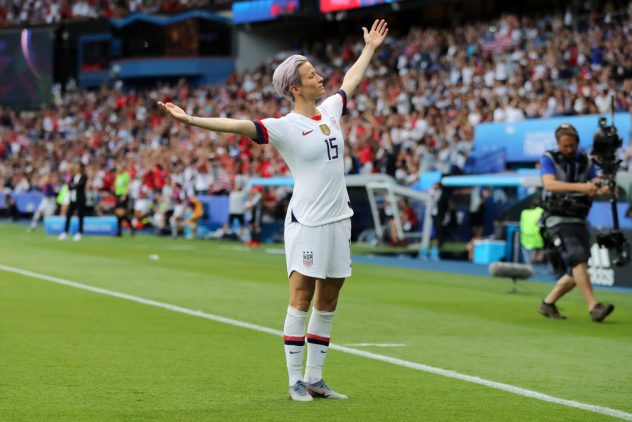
(175, 221)
(81, 212)
(579, 251)
(563, 245)
(119, 211)
(38, 214)
(304, 261)
(242, 221)
(129, 215)
(319, 335)
(325, 303)
(301, 293)
(69, 212)
(597, 311)
(564, 284)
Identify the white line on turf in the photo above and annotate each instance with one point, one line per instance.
(238, 248)
(399, 362)
(180, 247)
(374, 345)
(275, 251)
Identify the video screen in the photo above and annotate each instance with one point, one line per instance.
(327, 6)
(26, 67)
(263, 10)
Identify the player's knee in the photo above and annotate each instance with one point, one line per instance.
(301, 299)
(567, 281)
(300, 302)
(326, 305)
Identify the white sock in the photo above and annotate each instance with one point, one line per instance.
(318, 333)
(294, 337)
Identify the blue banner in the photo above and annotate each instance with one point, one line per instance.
(24, 201)
(263, 10)
(216, 209)
(526, 141)
(91, 225)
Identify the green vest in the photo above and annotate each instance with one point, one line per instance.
(121, 182)
(63, 194)
(530, 236)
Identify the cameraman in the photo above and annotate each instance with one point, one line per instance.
(570, 182)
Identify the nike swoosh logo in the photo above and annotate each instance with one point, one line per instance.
(322, 351)
(293, 353)
(305, 133)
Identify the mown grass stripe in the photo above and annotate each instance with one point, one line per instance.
(399, 362)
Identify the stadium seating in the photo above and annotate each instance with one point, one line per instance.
(415, 112)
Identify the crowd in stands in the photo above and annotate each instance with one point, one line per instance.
(414, 112)
(37, 12)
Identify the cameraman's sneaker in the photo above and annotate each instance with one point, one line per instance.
(297, 392)
(549, 310)
(320, 389)
(600, 311)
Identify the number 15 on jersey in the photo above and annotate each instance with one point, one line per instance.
(332, 148)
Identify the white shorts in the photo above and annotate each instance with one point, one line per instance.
(320, 252)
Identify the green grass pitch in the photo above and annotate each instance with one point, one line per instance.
(71, 354)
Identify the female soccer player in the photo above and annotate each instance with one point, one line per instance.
(318, 221)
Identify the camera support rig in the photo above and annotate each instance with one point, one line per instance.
(606, 142)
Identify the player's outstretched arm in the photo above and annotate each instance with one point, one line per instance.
(215, 124)
(372, 39)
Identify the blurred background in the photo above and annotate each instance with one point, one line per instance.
(443, 136)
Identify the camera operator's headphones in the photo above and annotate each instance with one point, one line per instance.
(566, 129)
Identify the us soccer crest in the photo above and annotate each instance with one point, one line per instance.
(308, 258)
(325, 129)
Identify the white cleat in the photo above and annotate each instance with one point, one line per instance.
(62, 236)
(77, 237)
(297, 392)
(320, 389)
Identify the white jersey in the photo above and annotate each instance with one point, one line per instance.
(313, 149)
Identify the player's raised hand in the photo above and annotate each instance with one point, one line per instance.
(376, 35)
(175, 112)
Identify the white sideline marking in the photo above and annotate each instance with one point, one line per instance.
(238, 248)
(375, 345)
(275, 251)
(180, 247)
(399, 362)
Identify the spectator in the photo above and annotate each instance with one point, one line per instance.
(122, 207)
(530, 231)
(477, 218)
(47, 205)
(77, 200)
(254, 205)
(196, 211)
(236, 210)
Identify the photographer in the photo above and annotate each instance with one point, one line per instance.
(570, 182)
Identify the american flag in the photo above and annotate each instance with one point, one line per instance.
(308, 258)
(501, 42)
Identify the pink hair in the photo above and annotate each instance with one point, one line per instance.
(286, 74)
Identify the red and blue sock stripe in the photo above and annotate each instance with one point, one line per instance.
(294, 341)
(314, 339)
